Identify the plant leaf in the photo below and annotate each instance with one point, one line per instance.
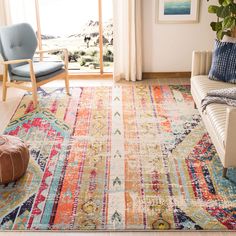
(226, 3)
(228, 22)
(234, 24)
(213, 9)
(220, 34)
(233, 8)
(216, 26)
(222, 12)
(221, 2)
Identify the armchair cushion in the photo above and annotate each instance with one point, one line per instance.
(40, 69)
(38, 79)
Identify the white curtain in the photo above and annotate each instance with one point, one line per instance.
(4, 12)
(17, 11)
(22, 11)
(127, 20)
(4, 20)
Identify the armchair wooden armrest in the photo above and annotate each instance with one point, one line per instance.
(51, 50)
(11, 62)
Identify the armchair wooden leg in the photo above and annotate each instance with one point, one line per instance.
(225, 172)
(4, 85)
(34, 94)
(67, 85)
(4, 92)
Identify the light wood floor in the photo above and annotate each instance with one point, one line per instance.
(6, 111)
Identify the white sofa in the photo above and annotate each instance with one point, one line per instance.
(219, 119)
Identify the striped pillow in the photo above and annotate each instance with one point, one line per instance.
(223, 66)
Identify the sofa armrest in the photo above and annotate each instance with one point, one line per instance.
(201, 62)
(230, 137)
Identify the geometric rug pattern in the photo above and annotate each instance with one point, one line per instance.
(117, 158)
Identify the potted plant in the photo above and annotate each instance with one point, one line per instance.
(226, 18)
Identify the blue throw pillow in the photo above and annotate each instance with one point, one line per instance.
(223, 66)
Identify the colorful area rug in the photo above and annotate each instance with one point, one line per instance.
(121, 158)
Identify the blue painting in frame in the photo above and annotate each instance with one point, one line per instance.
(177, 11)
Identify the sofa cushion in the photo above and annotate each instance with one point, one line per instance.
(40, 69)
(216, 112)
(223, 66)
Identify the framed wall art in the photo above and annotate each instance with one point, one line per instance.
(177, 11)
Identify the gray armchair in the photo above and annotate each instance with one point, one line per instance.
(18, 45)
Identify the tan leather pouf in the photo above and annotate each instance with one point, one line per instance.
(14, 158)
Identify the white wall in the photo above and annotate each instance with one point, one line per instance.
(168, 47)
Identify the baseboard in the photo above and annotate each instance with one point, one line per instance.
(166, 75)
(82, 76)
(146, 75)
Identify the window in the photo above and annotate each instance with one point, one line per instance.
(83, 27)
